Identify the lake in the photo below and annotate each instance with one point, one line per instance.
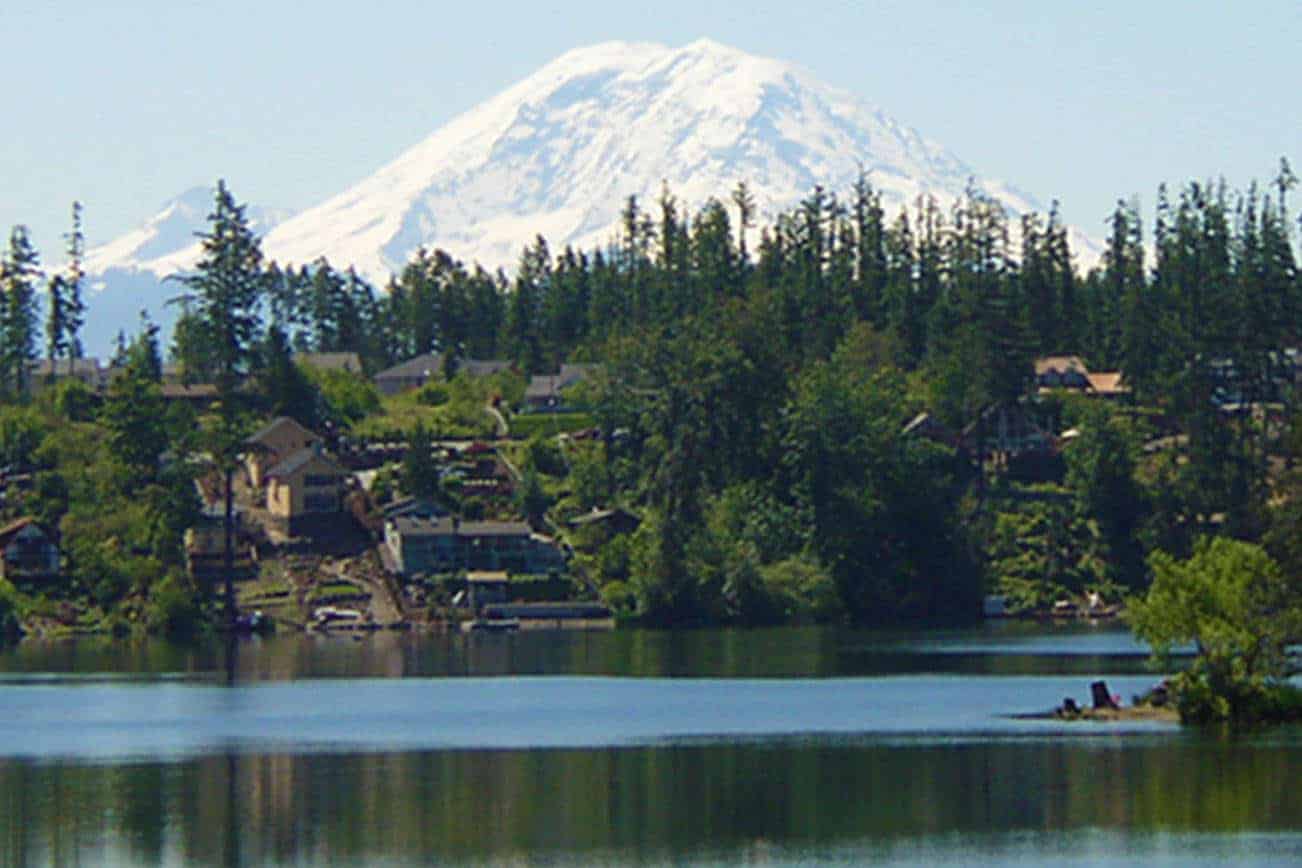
(785, 747)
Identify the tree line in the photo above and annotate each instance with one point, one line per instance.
(758, 379)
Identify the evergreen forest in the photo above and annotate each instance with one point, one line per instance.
(804, 416)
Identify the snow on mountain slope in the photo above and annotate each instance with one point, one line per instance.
(167, 242)
(558, 154)
(126, 276)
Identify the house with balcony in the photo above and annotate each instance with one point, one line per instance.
(303, 488)
(425, 546)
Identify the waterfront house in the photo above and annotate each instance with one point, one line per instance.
(205, 541)
(303, 485)
(27, 552)
(273, 443)
(423, 546)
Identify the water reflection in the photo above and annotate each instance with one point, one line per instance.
(1003, 648)
(150, 754)
(643, 804)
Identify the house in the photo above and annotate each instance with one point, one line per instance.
(1062, 372)
(414, 373)
(544, 391)
(27, 552)
(348, 362)
(305, 484)
(43, 372)
(1109, 385)
(273, 443)
(425, 546)
(1071, 373)
(1008, 429)
(421, 545)
(205, 541)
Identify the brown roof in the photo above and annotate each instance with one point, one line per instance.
(1108, 383)
(1061, 365)
(300, 458)
(275, 425)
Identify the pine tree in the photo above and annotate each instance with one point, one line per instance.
(870, 253)
(745, 202)
(19, 272)
(227, 287)
(65, 308)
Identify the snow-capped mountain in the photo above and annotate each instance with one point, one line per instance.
(167, 242)
(559, 153)
(126, 276)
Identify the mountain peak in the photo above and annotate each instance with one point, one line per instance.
(560, 152)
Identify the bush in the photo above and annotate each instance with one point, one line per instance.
(545, 457)
(174, 609)
(1232, 602)
(348, 397)
(1240, 703)
(74, 401)
(620, 598)
(433, 395)
(803, 590)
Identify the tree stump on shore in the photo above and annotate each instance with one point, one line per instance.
(1101, 696)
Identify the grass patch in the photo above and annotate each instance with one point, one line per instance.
(549, 423)
(335, 590)
(454, 410)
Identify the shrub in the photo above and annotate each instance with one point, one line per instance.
(620, 598)
(803, 590)
(174, 609)
(433, 395)
(1231, 601)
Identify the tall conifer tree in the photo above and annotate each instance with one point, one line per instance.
(227, 287)
(19, 272)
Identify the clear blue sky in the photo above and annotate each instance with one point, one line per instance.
(125, 104)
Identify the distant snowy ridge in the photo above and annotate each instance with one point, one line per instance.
(559, 153)
(168, 242)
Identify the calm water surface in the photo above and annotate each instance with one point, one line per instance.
(701, 747)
